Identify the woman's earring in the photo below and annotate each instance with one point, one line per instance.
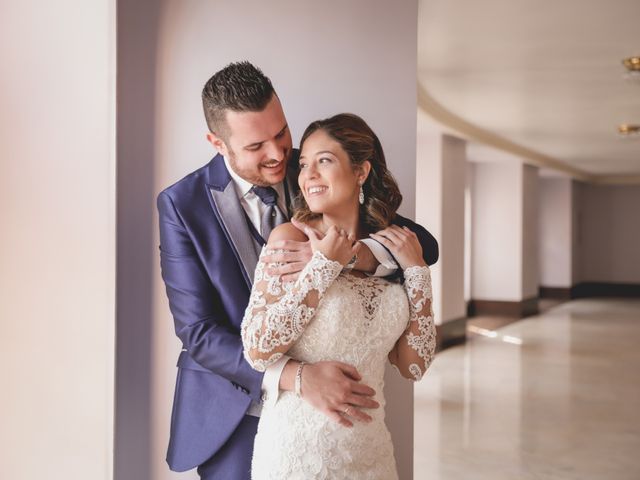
(361, 196)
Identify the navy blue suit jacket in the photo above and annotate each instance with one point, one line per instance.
(208, 261)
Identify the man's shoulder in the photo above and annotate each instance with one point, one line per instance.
(190, 182)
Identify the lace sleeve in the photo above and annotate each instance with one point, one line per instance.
(414, 350)
(278, 313)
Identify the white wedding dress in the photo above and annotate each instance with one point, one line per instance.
(328, 314)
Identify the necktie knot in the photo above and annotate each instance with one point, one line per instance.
(267, 194)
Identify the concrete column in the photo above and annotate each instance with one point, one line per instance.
(556, 235)
(504, 258)
(440, 196)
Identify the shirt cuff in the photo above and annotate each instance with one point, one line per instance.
(271, 381)
(387, 264)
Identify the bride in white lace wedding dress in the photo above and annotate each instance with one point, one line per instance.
(333, 313)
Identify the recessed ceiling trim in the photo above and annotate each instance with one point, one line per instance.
(427, 103)
(617, 180)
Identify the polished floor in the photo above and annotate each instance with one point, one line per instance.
(556, 396)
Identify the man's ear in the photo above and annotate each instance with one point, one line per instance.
(365, 168)
(218, 144)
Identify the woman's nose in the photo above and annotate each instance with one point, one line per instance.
(311, 171)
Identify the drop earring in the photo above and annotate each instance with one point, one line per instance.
(361, 196)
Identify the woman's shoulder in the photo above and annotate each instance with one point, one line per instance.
(287, 231)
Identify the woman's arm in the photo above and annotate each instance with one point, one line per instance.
(414, 350)
(278, 312)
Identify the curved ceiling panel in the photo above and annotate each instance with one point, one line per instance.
(543, 83)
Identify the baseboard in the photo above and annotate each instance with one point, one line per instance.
(556, 293)
(453, 332)
(605, 289)
(592, 289)
(521, 309)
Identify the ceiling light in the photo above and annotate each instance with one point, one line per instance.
(625, 129)
(632, 64)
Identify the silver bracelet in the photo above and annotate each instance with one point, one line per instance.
(351, 263)
(298, 381)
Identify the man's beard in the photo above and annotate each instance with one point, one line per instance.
(253, 177)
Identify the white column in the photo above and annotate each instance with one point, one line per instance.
(440, 193)
(555, 246)
(57, 247)
(504, 237)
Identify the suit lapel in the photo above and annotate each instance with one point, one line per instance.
(231, 216)
(291, 181)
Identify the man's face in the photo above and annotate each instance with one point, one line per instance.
(258, 145)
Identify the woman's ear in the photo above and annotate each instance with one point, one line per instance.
(365, 168)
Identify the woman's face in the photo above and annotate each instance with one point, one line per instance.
(327, 179)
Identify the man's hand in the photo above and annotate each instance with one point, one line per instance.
(403, 244)
(295, 256)
(333, 388)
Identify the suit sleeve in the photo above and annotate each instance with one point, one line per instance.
(196, 308)
(429, 244)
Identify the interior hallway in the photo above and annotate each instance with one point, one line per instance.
(554, 396)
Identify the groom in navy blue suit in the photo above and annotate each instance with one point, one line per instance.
(211, 233)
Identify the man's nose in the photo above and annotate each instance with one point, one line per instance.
(276, 151)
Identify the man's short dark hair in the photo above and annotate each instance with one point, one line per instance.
(240, 87)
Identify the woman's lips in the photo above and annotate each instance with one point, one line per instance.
(316, 190)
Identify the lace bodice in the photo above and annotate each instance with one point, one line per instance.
(279, 314)
(328, 314)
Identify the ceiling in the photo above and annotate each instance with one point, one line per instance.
(540, 79)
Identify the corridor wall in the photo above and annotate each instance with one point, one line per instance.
(609, 233)
(323, 58)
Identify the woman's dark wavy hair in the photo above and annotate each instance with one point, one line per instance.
(381, 192)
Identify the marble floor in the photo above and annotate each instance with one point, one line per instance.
(556, 396)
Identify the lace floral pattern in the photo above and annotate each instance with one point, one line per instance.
(278, 313)
(420, 334)
(339, 317)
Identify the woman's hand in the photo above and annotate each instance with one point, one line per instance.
(336, 245)
(403, 245)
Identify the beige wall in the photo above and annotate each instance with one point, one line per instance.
(323, 58)
(609, 233)
(57, 257)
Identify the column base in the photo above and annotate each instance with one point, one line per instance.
(521, 309)
(592, 289)
(450, 333)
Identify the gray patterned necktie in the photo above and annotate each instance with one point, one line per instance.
(272, 215)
